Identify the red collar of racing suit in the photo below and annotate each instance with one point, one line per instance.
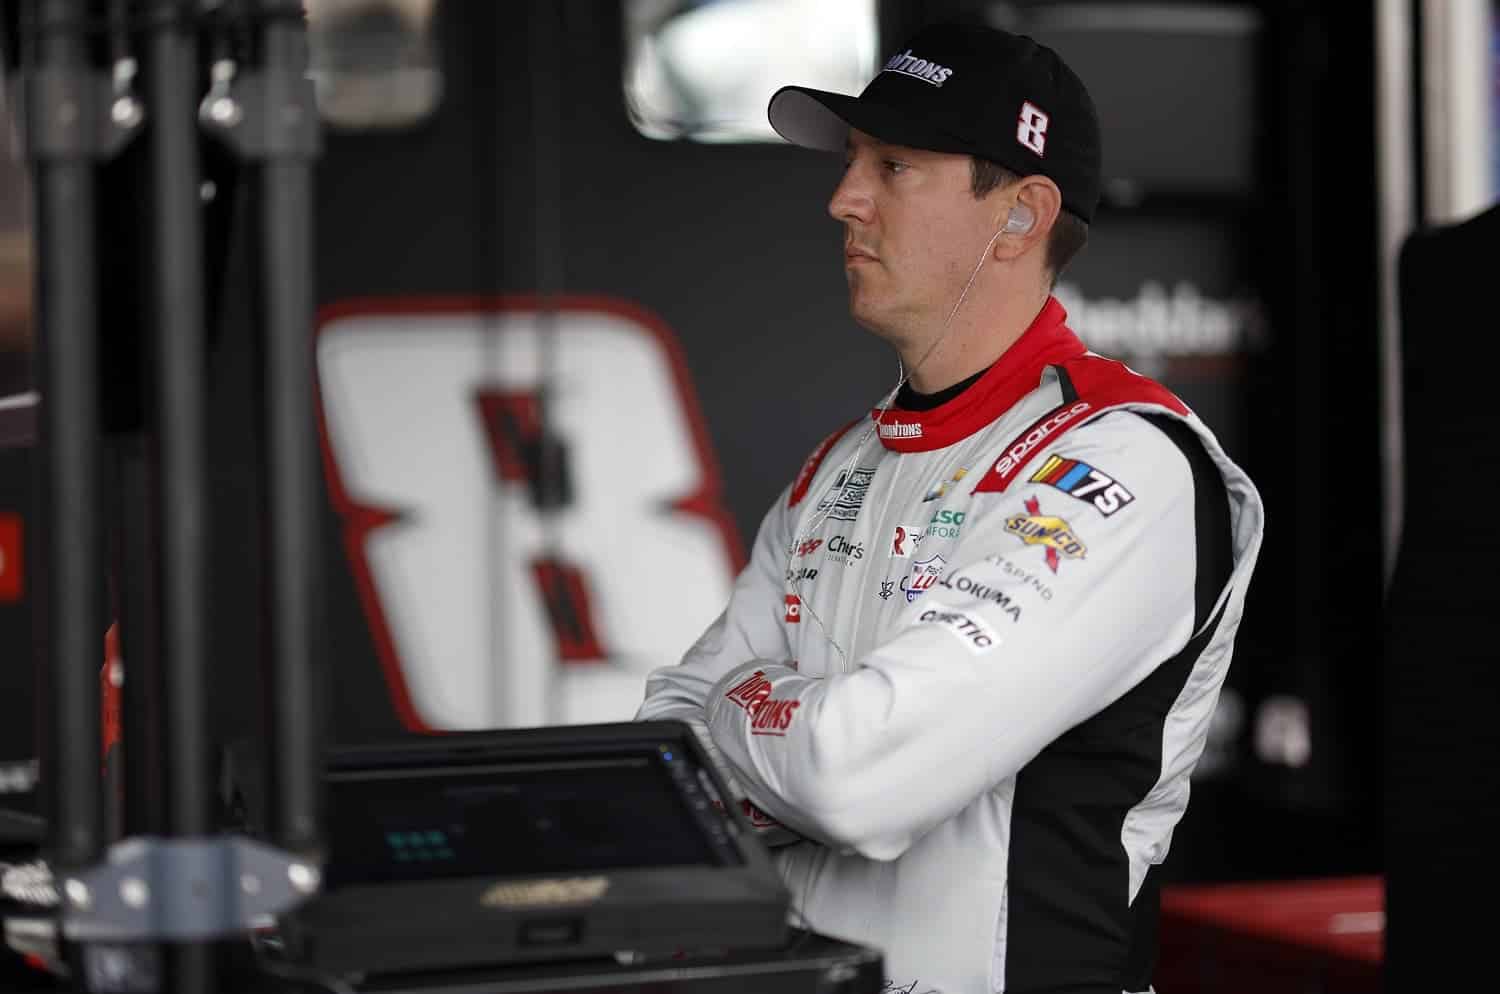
(1048, 340)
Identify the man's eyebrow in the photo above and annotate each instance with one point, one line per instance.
(850, 145)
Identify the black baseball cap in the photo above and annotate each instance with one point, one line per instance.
(971, 90)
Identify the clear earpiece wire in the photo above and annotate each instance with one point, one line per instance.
(848, 468)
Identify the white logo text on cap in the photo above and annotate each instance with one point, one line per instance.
(909, 65)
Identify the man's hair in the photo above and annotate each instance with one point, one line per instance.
(1069, 233)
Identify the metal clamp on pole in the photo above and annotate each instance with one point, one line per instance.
(262, 114)
(66, 112)
(152, 889)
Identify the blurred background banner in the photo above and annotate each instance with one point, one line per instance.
(583, 316)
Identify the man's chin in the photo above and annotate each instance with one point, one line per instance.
(879, 326)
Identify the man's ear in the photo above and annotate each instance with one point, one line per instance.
(1037, 196)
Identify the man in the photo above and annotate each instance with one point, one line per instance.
(971, 665)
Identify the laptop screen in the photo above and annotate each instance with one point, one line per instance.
(555, 815)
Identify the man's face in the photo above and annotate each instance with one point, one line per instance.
(913, 234)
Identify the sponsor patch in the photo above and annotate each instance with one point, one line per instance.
(887, 588)
(802, 574)
(900, 429)
(904, 540)
(969, 586)
(1078, 479)
(945, 524)
(923, 576)
(793, 609)
(847, 495)
(941, 490)
(1003, 473)
(841, 550)
(749, 692)
(1054, 534)
(808, 547)
(768, 716)
(976, 636)
(1026, 577)
(773, 716)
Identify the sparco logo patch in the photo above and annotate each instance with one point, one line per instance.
(1014, 457)
(1078, 479)
(1053, 534)
(908, 64)
(976, 636)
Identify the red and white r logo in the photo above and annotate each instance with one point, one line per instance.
(793, 609)
(905, 540)
(1031, 128)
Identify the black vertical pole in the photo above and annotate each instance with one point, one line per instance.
(138, 574)
(292, 498)
(174, 89)
(70, 616)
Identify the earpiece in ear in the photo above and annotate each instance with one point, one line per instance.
(1019, 220)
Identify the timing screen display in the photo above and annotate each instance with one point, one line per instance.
(509, 819)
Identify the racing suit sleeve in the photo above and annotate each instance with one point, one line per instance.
(750, 627)
(1049, 610)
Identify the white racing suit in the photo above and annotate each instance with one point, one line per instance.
(972, 663)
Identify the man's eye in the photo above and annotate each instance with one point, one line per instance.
(892, 166)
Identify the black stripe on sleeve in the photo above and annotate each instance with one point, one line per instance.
(1210, 515)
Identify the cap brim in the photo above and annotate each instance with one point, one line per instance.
(819, 119)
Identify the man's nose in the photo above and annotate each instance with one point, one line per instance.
(851, 198)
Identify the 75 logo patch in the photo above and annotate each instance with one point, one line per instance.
(1078, 479)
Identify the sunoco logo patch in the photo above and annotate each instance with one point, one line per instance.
(1053, 534)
